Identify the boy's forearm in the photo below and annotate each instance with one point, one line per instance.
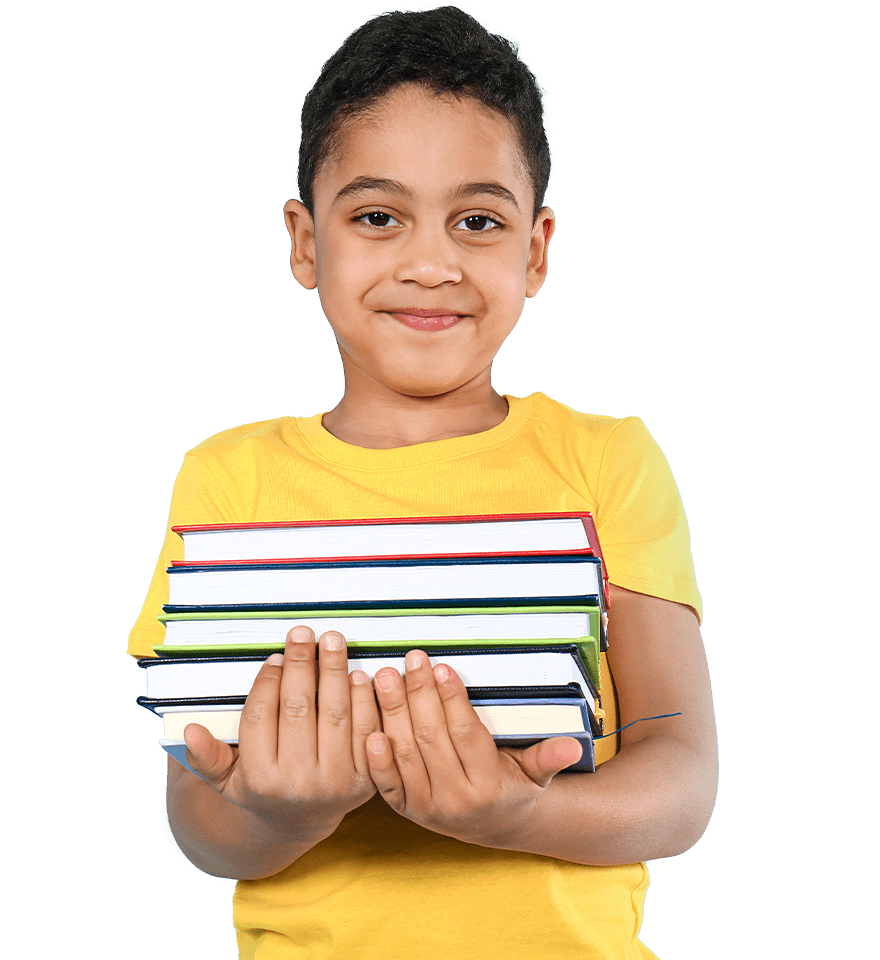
(652, 800)
(223, 839)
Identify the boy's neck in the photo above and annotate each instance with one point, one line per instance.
(383, 423)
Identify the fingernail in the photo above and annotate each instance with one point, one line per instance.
(376, 744)
(332, 641)
(358, 676)
(386, 679)
(442, 673)
(277, 659)
(415, 659)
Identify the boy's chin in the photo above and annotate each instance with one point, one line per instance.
(428, 391)
(430, 385)
(414, 378)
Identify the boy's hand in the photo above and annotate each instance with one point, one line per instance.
(298, 769)
(438, 765)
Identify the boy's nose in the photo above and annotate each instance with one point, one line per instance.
(429, 259)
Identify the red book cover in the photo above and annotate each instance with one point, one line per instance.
(585, 518)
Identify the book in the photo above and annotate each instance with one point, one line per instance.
(468, 535)
(212, 633)
(557, 578)
(397, 536)
(533, 667)
(516, 604)
(514, 720)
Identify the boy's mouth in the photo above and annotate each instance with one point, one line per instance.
(426, 319)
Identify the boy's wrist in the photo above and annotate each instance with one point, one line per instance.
(509, 835)
(298, 830)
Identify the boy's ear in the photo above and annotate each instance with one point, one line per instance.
(536, 272)
(301, 227)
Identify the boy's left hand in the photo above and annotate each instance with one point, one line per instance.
(437, 765)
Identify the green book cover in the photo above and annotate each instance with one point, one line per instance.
(587, 643)
(373, 612)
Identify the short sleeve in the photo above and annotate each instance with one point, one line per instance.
(640, 518)
(198, 497)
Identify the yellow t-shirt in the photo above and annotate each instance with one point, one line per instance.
(381, 885)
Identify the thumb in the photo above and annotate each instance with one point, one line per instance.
(209, 758)
(544, 760)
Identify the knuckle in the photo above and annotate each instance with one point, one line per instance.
(257, 708)
(426, 734)
(363, 726)
(295, 706)
(404, 750)
(363, 707)
(271, 670)
(395, 705)
(460, 730)
(335, 665)
(335, 715)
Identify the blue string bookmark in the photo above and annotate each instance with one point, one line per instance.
(663, 716)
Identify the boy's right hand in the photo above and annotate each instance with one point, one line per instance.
(299, 769)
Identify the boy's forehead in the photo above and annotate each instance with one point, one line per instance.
(415, 139)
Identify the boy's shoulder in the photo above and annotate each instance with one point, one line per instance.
(247, 434)
(542, 405)
(560, 417)
(592, 442)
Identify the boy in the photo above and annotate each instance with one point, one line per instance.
(386, 822)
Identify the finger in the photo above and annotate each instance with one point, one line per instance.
(428, 719)
(542, 761)
(258, 727)
(334, 703)
(364, 719)
(211, 759)
(397, 725)
(473, 743)
(384, 772)
(297, 722)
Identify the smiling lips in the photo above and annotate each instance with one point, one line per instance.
(426, 319)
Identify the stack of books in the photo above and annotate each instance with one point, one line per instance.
(516, 604)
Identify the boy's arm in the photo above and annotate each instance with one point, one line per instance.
(653, 799)
(297, 770)
(222, 839)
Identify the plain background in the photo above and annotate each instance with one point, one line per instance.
(714, 271)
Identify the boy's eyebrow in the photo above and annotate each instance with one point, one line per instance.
(366, 184)
(490, 187)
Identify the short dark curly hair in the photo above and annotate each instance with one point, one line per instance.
(444, 50)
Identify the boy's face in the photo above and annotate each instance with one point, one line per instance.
(423, 246)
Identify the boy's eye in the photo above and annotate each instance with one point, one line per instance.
(475, 223)
(478, 223)
(376, 218)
